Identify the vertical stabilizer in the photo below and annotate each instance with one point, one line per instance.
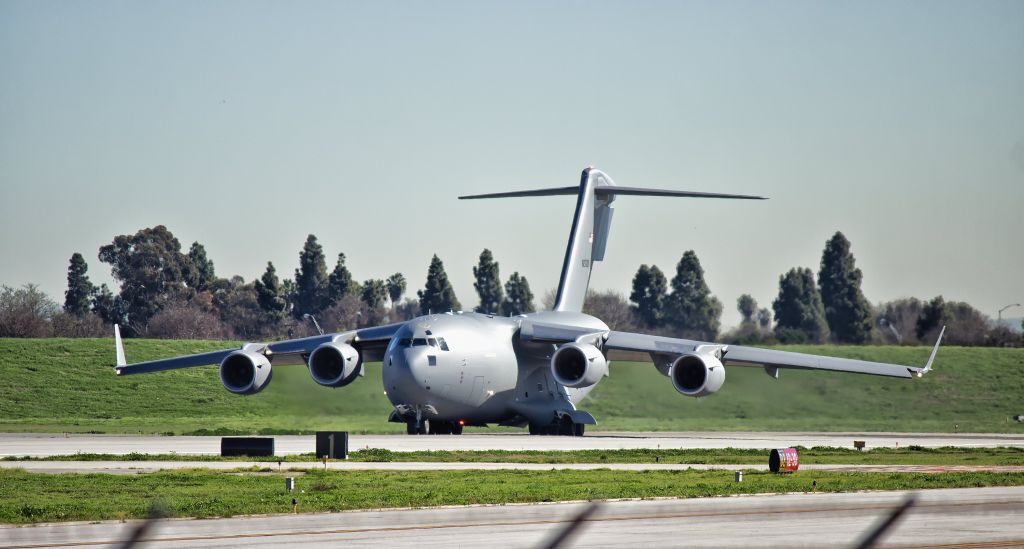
(590, 227)
(587, 240)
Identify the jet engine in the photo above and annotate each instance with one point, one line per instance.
(697, 375)
(578, 365)
(334, 364)
(245, 372)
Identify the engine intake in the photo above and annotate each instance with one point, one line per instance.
(578, 365)
(245, 372)
(698, 374)
(334, 364)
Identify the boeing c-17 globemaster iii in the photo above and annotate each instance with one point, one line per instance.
(446, 370)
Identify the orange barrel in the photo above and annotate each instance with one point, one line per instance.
(783, 460)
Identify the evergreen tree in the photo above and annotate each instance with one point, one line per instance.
(270, 295)
(78, 297)
(764, 318)
(935, 313)
(691, 308)
(488, 283)
(111, 308)
(396, 287)
(341, 283)
(374, 292)
(202, 273)
(649, 294)
(747, 307)
(847, 312)
(438, 295)
(311, 279)
(518, 297)
(799, 314)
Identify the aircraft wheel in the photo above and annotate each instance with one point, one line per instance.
(578, 428)
(410, 427)
(441, 428)
(456, 428)
(566, 427)
(534, 429)
(424, 427)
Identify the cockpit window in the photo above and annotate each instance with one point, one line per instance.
(419, 342)
(432, 342)
(444, 346)
(404, 342)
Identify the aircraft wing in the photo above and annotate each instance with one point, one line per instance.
(771, 360)
(370, 342)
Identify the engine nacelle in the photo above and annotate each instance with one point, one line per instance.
(334, 364)
(697, 374)
(578, 365)
(245, 372)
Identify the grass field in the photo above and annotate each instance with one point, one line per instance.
(808, 456)
(32, 498)
(67, 385)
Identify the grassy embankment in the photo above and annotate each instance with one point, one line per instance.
(59, 385)
(808, 456)
(28, 498)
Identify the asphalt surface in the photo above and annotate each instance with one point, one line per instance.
(133, 467)
(37, 445)
(957, 518)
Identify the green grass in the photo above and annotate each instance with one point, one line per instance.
(55, 385)
(819, 455)
(31, 498)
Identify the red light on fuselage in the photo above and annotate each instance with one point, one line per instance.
(462, 422)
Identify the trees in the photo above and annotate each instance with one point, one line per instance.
(518, 297)
(311, 294)
(437, 295)
(396, 287)
(270, 295)
(747, 306)
(374, 293)
(691, 309)
(25, 312)
(202, 273)
(799, 314)
(612, 308)
(847, 312)
(152, 272)
(649, 293)
(78, 297)
(488, 283)
(340, 283)
(933, 314)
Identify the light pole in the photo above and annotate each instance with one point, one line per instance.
(1000, 315)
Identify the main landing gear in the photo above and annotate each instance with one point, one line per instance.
(563, 427)
(429, 427)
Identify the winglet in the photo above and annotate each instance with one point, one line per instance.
(928, 366)
(119, 349)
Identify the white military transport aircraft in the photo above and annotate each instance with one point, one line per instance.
(447, 370)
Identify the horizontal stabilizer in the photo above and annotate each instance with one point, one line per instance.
(610, 190)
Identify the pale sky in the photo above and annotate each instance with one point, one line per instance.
(248, 125)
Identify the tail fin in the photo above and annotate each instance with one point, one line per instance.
(590, 227)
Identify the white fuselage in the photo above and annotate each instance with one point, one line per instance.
(473, 367)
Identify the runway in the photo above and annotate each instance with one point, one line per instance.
(39, 445)
(957, 518)
(134, 467)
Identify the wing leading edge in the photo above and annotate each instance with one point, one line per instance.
(370, 342)
(772, 360)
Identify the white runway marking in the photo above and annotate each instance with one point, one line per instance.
(37, 445)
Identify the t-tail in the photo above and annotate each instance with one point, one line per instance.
(590, 227)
